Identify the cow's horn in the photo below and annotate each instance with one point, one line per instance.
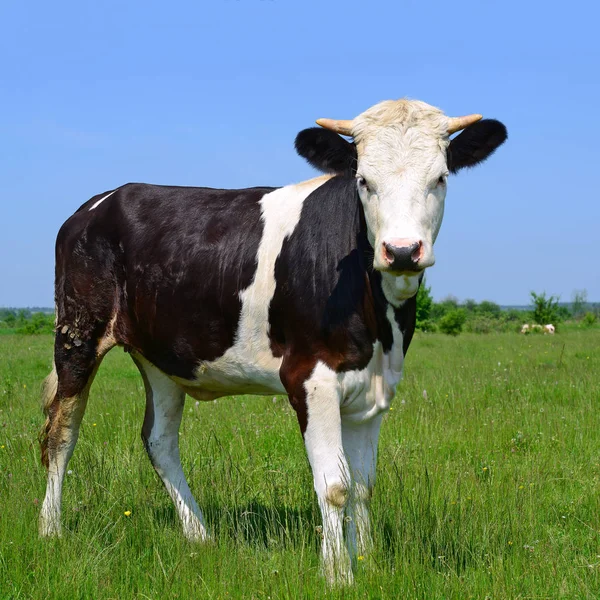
(457, 123)
(344, 127)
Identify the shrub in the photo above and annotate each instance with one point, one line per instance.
(429, 326)
(452, 322)
(39, 323)
(513, 315)
(482, 324)
(9, 319)
(545, 310)
(589, 319)
(424, 304)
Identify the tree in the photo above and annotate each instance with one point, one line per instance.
(22, 317)
(470, 305)
(439, 309)
(489, 308)
(545, 309)
(424, 304)
(579, 303)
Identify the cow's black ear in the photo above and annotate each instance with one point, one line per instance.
(326, 151)
(475, 144)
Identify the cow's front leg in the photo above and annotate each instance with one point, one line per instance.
(360, 446)
(317, 401)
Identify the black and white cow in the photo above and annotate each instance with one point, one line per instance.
(306, 290)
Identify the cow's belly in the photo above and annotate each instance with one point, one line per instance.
(236, 372)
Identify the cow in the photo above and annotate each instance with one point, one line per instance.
(535, 327)
(306, 290)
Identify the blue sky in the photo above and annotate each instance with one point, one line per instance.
(96, 94)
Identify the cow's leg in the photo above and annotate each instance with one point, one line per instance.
(160, 434)
(317, 402)
(64, 398)
(360, 446)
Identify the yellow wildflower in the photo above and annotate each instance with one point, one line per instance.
(361, 558)
(127, 513)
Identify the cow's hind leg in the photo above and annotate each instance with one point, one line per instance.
(160, 434)
(64, 398)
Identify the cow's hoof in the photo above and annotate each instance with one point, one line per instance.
(338, 575)
(49, 528)
(197, 534)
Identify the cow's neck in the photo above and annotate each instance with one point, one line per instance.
(398, 288)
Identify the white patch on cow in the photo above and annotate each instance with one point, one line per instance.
(98, 202)
(401, 149)
(249, 367)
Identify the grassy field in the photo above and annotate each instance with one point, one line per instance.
(487, 484)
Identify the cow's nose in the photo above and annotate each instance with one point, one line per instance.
(403, 254)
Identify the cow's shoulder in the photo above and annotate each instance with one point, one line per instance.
(327, 301)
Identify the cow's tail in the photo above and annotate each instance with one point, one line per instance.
(49, 390)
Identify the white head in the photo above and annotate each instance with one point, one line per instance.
(404, 156)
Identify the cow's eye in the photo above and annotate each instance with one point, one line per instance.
(441, 180)
(362, 182)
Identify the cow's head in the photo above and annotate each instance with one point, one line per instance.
(401, 158)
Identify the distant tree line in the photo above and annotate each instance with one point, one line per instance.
(448, 316)
(452, 317)
(25, 320)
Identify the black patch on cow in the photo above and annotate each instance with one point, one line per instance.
(326, 151)
(406, 318)
(328, 303)
(476, 143)
(171, 262)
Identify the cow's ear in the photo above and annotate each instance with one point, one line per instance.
(475, 144)
(326, 151)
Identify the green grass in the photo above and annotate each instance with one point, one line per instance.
(487, 484)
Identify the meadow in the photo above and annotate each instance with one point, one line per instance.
(488, 483)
